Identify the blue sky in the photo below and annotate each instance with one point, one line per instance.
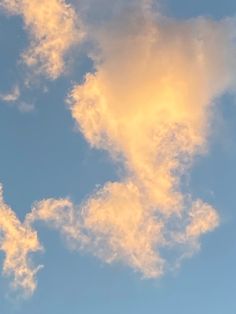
(43, 155)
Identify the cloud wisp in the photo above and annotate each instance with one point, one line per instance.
(150, 103)
(12, 96)
(17, 241)
(54, 28)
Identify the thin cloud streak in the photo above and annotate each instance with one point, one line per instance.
(13, 98)
(17, 241)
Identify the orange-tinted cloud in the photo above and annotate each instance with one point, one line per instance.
(59, 214)
(13, 98)
(17, 241)
(53, 27)
(149, 103)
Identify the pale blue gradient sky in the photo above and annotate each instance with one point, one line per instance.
(42, 156)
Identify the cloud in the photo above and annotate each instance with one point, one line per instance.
(61, 215)
(11, 97)
(26, 106)
(150, 104)
(54, 28)
(17, 241)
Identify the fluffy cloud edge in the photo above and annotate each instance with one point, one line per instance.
(54, 28)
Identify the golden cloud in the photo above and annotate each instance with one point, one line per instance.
(149, 103)
(17, 241)
(54, 28)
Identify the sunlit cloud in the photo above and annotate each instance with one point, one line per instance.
(150, 104)
(17, 241)
(13, 98)
(59, 214)
(53, 27)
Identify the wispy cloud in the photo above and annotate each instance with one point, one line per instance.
(53, 28)
(17, 241)
(150, 103)
(59, 214)
(12, 96)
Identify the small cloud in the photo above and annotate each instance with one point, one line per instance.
(26, 107)
(17, 241)
(12, 96)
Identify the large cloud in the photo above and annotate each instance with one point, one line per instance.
(54, 28)
(149, 103)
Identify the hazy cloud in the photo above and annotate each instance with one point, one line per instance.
(26, 106)
(149, 103)
(60, 215)
(12, 96)
(17, 241)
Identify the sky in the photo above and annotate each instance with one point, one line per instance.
(117, 164)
